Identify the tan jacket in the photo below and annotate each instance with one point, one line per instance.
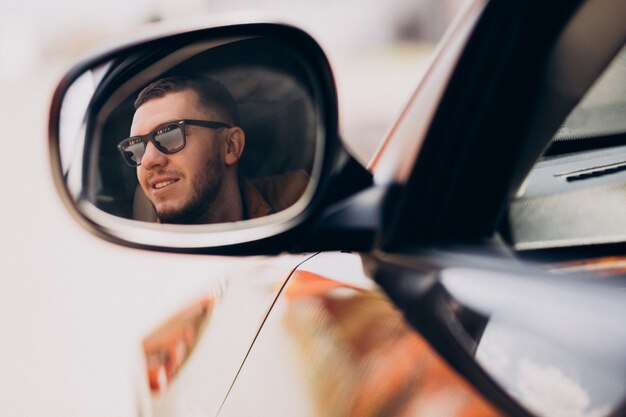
(268, 195)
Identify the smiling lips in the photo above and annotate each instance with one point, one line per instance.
(162, 184)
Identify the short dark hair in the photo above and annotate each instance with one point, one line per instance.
(212, 94)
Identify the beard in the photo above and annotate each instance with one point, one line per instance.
(205, 188)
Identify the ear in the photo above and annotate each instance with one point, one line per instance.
(235, 142)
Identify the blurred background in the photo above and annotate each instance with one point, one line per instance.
(378, 50)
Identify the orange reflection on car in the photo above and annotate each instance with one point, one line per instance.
(600, 267)
(361, 358)
(169, 345)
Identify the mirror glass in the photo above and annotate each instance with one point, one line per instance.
(216, 131)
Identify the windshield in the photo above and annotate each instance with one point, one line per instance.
(576, 193)
(602, 111)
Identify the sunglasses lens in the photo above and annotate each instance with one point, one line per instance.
(132, 151)
(170, 139)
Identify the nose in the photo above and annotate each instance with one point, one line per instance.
(152, 157)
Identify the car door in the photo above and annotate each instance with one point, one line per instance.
(335, 344)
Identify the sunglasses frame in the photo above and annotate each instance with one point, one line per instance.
(149, 137)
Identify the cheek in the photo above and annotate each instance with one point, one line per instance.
(197, 166)
(141, 175)
(198, 162)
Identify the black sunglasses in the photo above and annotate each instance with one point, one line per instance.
(168, 138)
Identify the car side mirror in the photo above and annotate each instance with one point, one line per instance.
(233, 139)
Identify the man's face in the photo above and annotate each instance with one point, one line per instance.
(182, 186)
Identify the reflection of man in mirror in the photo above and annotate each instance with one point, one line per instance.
(186, 142)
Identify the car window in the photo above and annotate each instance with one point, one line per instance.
(576, 192)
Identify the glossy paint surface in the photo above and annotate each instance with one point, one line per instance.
(225, 331)
(339, 347)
